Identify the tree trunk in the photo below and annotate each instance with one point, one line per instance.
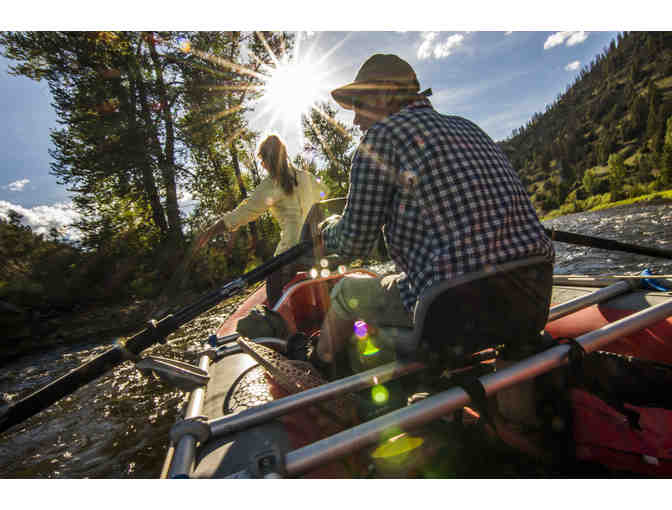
(168, 160)
(148, 182)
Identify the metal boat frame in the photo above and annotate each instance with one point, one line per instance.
(195, 428)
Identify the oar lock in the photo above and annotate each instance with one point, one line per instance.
(183, 375)
(180, 374)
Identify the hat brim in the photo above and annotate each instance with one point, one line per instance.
(346, 94)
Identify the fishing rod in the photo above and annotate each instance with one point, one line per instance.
(606, 244)
(129, 349)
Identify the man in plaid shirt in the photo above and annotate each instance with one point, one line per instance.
(444, 194)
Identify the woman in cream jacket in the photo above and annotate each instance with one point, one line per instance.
(287, 192)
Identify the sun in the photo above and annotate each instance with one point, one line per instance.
(293, 87)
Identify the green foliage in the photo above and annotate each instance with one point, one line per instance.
(35, 270)
(653, 120)
(617, 175)
(590, 181)
(666, 159)
(332, 142)
(618, 104)
(145, 117)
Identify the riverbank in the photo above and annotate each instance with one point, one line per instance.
(582, 206)
(28, 332)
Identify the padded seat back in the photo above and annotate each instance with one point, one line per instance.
(456, 318)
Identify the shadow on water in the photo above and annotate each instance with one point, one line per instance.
(117, 426)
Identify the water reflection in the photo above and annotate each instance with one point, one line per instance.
(648, 225)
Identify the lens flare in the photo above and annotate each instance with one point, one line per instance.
(379, 394)
(313, 273)
(324, 263)
(325, 273)
(342, 269)
(367, 347)
(361, 329)
(397, 446)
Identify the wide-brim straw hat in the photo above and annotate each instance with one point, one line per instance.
(380, 73)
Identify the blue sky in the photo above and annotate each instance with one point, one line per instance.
(497, 78)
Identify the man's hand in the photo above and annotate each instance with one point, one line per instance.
(334, 218)
(311, 232)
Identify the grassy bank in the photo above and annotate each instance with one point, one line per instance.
(599, 202)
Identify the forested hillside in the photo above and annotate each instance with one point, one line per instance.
(608, 136)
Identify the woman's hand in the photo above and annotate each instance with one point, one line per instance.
(203, 239)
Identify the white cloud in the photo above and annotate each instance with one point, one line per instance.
(577, 38)
(445, 49)
(425, 49)
(17, 185)
(438, 49)
(572, 66)
(571, 38)
(42, 218)
(555, 39)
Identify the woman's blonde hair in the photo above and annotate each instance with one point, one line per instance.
(274, 153)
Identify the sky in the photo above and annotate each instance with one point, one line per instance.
(498, 70)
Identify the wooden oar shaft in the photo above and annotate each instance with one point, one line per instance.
(606, 244)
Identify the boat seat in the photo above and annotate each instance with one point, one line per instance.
(447, 331)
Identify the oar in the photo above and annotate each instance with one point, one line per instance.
(606, 244)
(157, 331)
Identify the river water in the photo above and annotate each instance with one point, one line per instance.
(118, 425)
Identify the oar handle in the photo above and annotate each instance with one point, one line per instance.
(155, 332)
(606, 244)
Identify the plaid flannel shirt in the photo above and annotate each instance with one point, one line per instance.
(445, 195)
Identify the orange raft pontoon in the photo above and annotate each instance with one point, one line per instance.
(241, 424)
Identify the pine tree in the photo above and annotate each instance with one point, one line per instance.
(145, 116)
(116, 142)
(617, 175)
(330, 141)
(644, 168)
(666, 160)
(654, 121)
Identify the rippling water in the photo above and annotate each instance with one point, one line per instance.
(648, 225)
(117, 426)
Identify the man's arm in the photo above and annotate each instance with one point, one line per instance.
(372, 178)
